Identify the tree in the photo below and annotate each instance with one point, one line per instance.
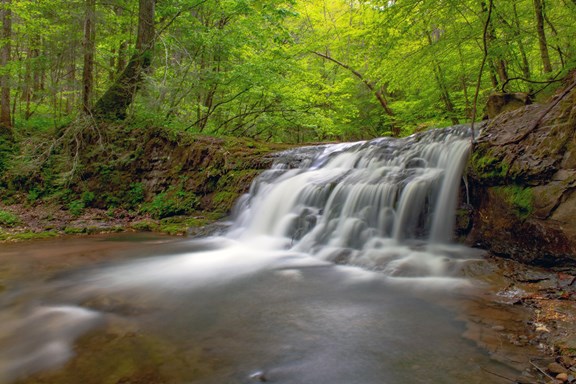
(5, 56)
(116, 100)
(542, 41)
(89, 52)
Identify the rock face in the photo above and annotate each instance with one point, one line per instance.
(523, 183)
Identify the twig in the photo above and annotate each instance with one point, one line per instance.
(479, 80)
(498, 375)
(548, 82)
(541, 370)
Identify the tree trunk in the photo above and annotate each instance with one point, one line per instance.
(441, 81)
(518, 33)
(89, 50)
(116, 100)
(542, 36)
(5, 52)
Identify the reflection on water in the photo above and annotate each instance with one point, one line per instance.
(284, 318)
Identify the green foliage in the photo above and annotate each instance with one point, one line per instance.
(8, 219)
(76, 207)
(33, 195)
(246, 68)
(170, 203)
(135, 195)
(520, 198)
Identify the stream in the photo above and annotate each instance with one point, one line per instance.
(336, 268)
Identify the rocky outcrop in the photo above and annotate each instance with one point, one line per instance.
(211, 172)
(523, 183)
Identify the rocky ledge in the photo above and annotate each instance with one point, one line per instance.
(522, 182)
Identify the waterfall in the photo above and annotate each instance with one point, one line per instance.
(383, 204)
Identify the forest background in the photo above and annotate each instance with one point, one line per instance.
(283, 71)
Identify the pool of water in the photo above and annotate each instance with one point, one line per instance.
(152, 309)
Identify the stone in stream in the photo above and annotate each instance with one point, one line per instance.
(556, 369)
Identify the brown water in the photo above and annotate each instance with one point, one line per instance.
(151, 309)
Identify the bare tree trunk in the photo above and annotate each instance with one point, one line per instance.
(116, 100)
(5, 53)
(89, 49)
(542, 36)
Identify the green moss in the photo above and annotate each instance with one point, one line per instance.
(145, 225)
(27, 236)
(521, 199)
(75, 230)
(486, 167)
(223, 201)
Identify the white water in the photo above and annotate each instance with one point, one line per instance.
(385, 205)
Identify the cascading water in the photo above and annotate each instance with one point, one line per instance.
(385, 205)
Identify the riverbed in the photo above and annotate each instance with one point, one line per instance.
(158, 309)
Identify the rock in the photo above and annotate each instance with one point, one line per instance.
(566, 361)
(556, 369)
(499, 102)
(522, 184)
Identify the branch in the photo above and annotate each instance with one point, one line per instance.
(484, 57)
(554, 80)
(378, 93)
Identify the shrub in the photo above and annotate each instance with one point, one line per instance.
(8, 219)
(170, 203)
(76, 207)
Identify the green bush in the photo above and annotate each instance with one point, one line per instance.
(76, 207)
(170, 203)
(8, 219)
(135, 195)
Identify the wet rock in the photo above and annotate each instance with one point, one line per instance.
(259, 376)
(523, 184)
(566, 361)
(556, 369)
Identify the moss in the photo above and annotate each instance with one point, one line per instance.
(487, 167)
(521, 199)
(27, 236)
(145, 225)
(75, 230)
(223, 201)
